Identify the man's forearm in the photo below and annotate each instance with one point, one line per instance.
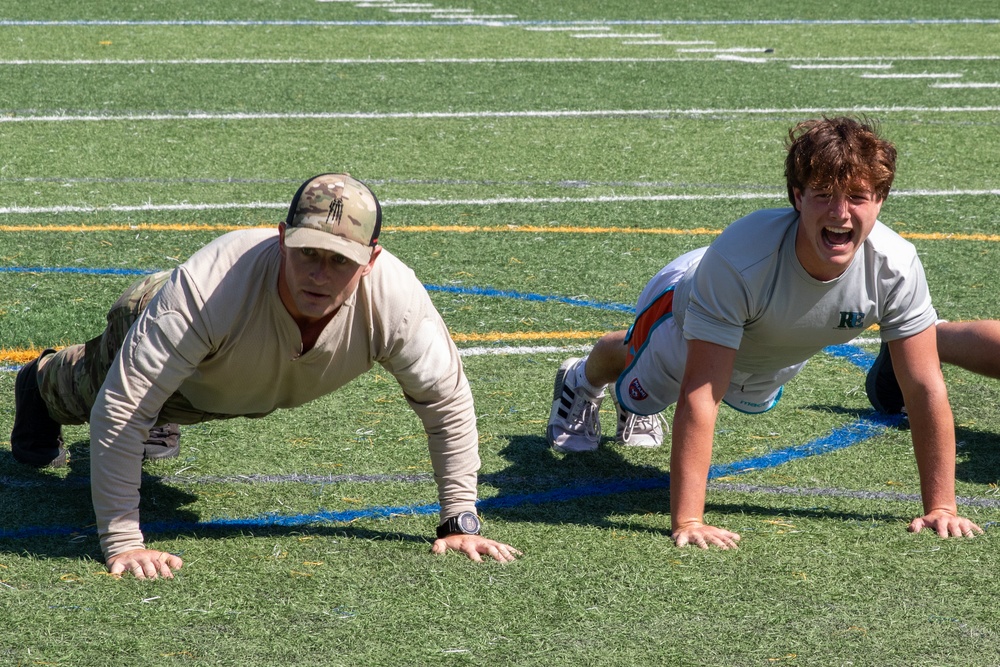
(690, 460)
(116, 453)
(933, 431)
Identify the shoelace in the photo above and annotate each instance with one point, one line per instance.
(583, 411)
(587, 411)
(646, 424)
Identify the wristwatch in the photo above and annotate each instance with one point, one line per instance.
(466, 523)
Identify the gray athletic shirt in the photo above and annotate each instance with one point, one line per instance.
(750, 293)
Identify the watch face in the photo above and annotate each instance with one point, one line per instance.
(468, 523)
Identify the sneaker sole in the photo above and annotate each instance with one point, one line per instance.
(160, 453)
(651, 445)
(61, 459)
(164, 442)
(563, 448)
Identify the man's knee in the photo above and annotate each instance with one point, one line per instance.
(59, 382)
(70, 380)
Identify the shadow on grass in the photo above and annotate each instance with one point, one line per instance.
(978, 456)
(853, 413)
(544, 486)
(978, 451)
(590, 488)
(45, 514)
(823, 513)
(49, 514)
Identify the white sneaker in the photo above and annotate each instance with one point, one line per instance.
(638, 430)
(574, 422)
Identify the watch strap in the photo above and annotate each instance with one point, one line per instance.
(465, 523)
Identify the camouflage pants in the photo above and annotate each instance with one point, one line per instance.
(71, 379)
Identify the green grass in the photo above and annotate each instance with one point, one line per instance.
(826, 574)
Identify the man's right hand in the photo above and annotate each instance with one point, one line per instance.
(145, 564)
(701, 535)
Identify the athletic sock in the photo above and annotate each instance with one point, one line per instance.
(583, 383)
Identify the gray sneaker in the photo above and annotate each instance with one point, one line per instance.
(638, 430)
(574, 422)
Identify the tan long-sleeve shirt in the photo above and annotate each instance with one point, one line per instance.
(219, 336)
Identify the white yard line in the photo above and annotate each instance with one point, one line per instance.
(523, 23)
(452, 115)
(842, 66)
(967, 84)
(800, 63)
(617, 35)
(494, 201)
(922, 75)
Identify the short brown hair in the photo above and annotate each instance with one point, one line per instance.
(838, 152)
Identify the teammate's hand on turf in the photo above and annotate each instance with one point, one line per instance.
(945, 524)
(702, 536)
(145, 564)
(475, 547)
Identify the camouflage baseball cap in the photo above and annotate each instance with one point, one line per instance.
(337, 213)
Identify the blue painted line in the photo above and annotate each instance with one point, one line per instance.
(470, 291)
(840, 438)
(543, 298)
(75, 270)
(837, 439)
(853, 354)
(270, 519)
(274, 520)
(44, 531)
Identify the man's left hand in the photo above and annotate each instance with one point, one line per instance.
(475, 546)
(946, 524)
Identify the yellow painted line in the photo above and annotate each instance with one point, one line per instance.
(939, 236)
(19, 356)
(23, 356)
(457, 229)
(526, 336)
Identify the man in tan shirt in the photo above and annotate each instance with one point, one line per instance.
(255, 321)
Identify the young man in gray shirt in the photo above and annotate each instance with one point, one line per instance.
(733, 322)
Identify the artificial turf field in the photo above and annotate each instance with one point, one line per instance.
(537, 162)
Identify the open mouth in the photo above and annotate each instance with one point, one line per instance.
(837, 237)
